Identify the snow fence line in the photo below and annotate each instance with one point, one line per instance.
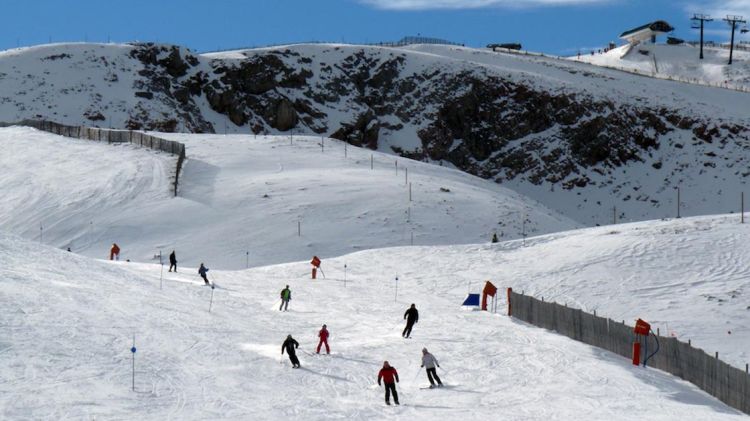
(728, 384)
(111, 136)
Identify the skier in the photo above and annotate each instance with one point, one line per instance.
(286, 296)
(411, 316)
(290, 345)
(494, 237)
(172, 261)
(389, 374)
(429, 362)
(114, 252)
(323, 335)
(202, 270)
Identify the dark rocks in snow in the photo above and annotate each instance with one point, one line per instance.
(174, 64)
(94, 116)
(143, 94)
(286, 116)
(363, 131)
(482, 122)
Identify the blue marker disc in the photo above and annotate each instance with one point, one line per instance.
(132, 350)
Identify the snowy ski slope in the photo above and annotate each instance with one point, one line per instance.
(241, 199)
(70, 321)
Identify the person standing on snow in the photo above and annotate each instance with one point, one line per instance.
(202, 270)
(323, 335)
(114, 252)
(290, 345)
(286, 296)
(411, 316)
(389, 375)
(172, 261)
(429, 362)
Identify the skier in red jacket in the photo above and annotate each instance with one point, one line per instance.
(323, 335)
(114, 252)
(388, 374)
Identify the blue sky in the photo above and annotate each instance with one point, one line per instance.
(552, 26)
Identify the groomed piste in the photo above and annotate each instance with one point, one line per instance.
(71, 318)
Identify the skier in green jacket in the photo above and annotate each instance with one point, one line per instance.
(286, 296)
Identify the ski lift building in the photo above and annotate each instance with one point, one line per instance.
(646, 32)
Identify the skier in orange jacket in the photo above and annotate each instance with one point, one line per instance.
(114, 252)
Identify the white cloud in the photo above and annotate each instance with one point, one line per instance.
(472, 4)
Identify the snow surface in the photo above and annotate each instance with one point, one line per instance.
(241, 199)
(679, 62)
(70, 321)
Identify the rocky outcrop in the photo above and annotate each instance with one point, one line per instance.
(286, 117)
(482, 123)
(505, 127)
(362, 132)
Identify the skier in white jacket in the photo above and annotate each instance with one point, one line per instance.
(429, 362)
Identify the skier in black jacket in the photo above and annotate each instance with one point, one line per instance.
(411, 316)
(172, 261)
(290, 345)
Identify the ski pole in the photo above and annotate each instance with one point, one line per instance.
(419, 371)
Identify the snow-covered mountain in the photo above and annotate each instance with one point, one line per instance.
(69, 323)
(247, 201)
(543, 126)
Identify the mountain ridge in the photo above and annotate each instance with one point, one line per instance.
(533, 123)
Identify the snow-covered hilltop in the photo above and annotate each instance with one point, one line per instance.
(246, 200)
(545, 127)
(679, 62)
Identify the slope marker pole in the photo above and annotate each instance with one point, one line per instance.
(132, 351)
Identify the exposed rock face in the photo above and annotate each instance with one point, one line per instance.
(363, 132)
(286, 116)
(498, 140)
(494, 125)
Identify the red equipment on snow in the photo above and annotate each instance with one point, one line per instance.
(316, 265)
(642, 330)
(489, 290)
(641, 327)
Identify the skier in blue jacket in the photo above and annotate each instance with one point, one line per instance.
(202, 270)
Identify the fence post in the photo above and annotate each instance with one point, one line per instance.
(510, 303)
